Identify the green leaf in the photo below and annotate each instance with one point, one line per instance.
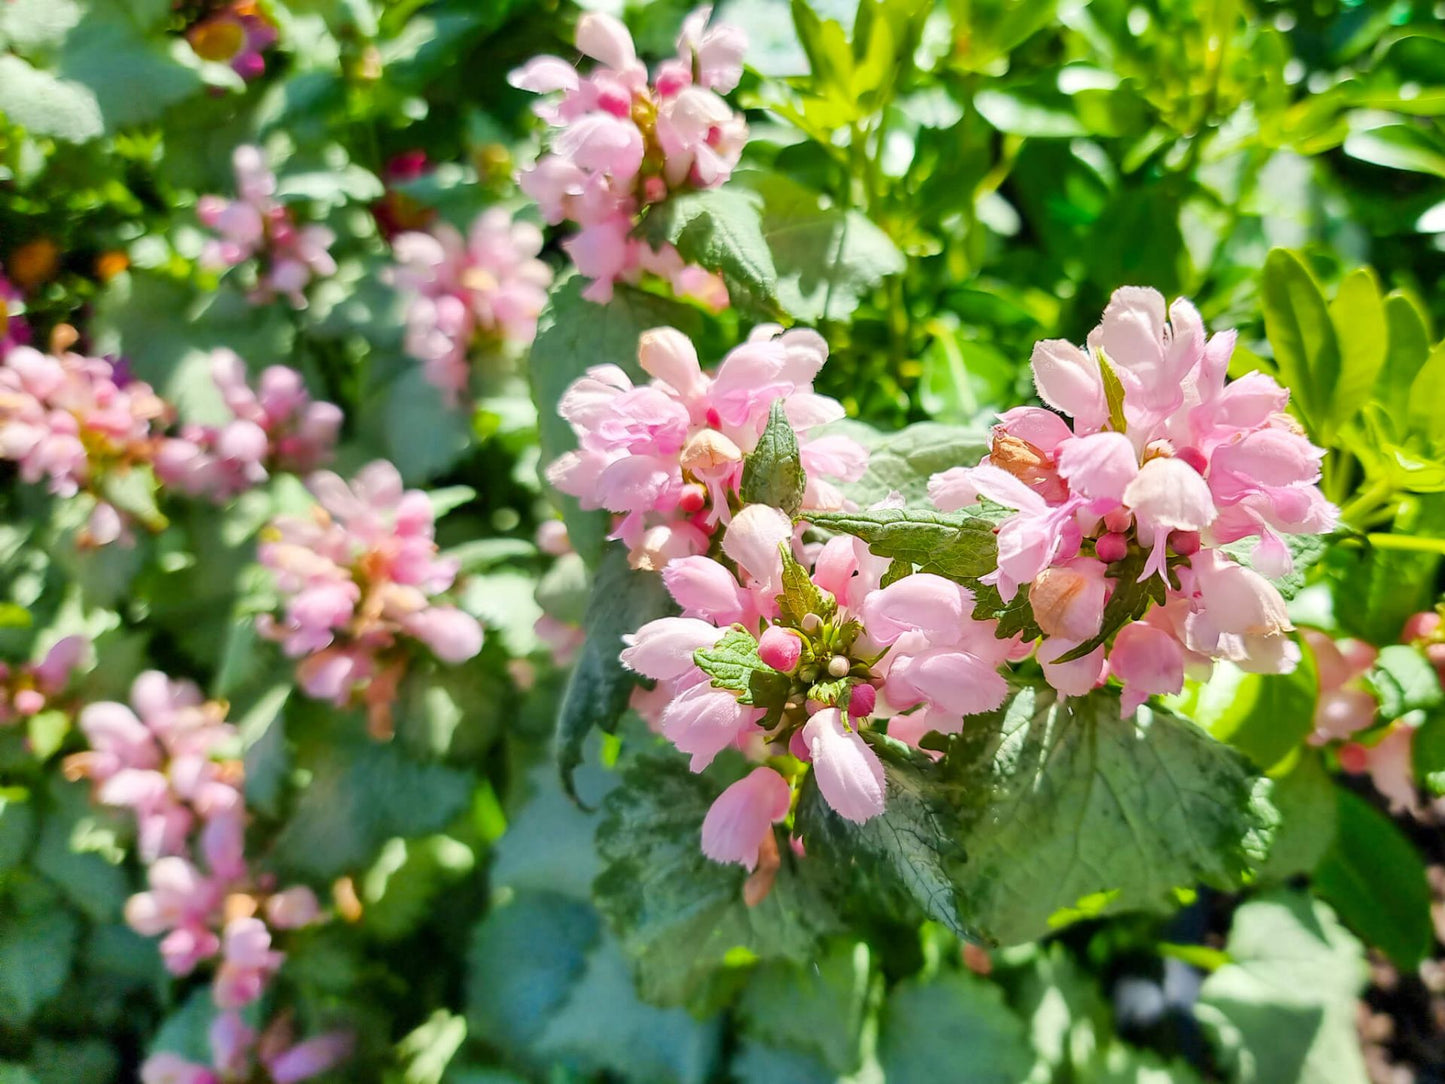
(1375, 880)
(133, 75)
(1283, 1010)
(1424, 417)
(573, 335)
(818, 1008)
(37, 946)
(721, 229)
(773, 472)
(680, 916)
(902, 462)
(1062, 801)
(361, 795)
(953, 544)
(523, 960)
(733, 663)
(47, 106)
(1113, 394)
(827, 259)
(928, 1024)
(1405, 147)
(1404, 681)
(1300, 330)
(1409, 345)
(1427, 753)
(1362, 331)
(424, 434)
(603, 1027)
(801, 596)
(623, 600)
(1264, 716)
(1377, 589)
(1308, 815)
(910, 854)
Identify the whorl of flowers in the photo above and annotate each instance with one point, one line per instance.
(623, 143)
(255, 226)
(846, 653)
(1162, 464)
(171, 758)
(481, 292)
(274, 427)
(667, 456)
(73, 422)
(360, 575)
(237, 35)
(30, 688)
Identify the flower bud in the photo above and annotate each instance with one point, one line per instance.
(707, 451)
(839, 665)
(862, 700)
(1185, 543)
(780, 648)
(1112, 547)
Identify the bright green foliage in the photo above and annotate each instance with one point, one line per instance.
(1283, 1009)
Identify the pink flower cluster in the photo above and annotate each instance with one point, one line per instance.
(31, 688)
(1154, 475)
(170, 758)
(238, 1052)
(358, 574)
(482, 291)
(73, 421)
(910, 653)
(237, 35)
(14, 331)
(255, 226)
(624, 143)
(667, 456)
(274, 427)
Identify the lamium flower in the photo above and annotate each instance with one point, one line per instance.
(478, 294)
(77, 423)
(1158, 464)
(397, 212)
(30, 688)
(274, 427)
(667, 456)
(236, 35)
(361, 576)
(172, 760)
(256, 226)
(239, 1055)
(838, 657)
(623, 142)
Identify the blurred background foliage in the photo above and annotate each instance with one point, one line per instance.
(1003, 165)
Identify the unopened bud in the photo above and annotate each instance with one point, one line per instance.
(1184, 543)
(780, 648)
(862, 700)
(811, 623)
(839, 665)
(1111, 547)
(1119, 520)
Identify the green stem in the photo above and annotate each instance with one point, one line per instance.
(1375, 495)
(1409, 542)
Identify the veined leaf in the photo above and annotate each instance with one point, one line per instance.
(733, 663)
(953, 544)
(773, 472)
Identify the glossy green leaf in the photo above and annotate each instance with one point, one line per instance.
(1361, 328)
(1375, 880)
(1300, 330)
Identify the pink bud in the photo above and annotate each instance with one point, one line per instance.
(29, 701)
(1119, 520)
(1420, 626)
(862, 700)
(780, 648)
(1185, 543)
(293, 908)
(1112, 547)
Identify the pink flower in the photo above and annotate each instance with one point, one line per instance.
(478, 294)
(622, 143)
(237, 35)
(257, 226)
(742, 815)
(849, 773)
(1390, 764)
(276, 427)
(1182, 464)
(361, 572)
(911, 645)
(669, 454)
